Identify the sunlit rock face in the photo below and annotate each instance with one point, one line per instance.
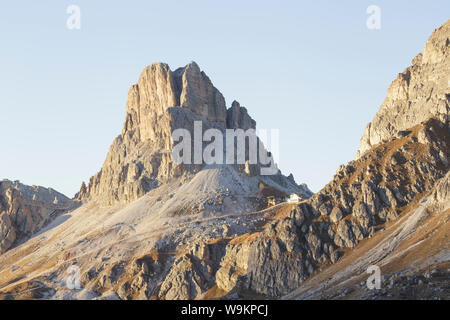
(25, 209)
(421, 91)
(140, 159)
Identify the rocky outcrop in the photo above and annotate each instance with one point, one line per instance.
(36, 193)
(404, 155)
(440, 197)
(198, 94)
(238, 117)
(140, 159)
(421, 91)
(202, 234)
(25, 209)
(7, 232)
(363, 195)
(187, 279)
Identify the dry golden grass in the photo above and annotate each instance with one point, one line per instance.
(213, 293)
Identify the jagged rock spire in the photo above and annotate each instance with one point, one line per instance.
(161, 101)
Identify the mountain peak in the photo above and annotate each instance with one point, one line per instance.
(418, 93)
(162, 101)
(436, 49)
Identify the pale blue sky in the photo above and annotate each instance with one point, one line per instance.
(310, 68)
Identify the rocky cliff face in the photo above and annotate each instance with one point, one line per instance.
(140, 159)
(362, 197)
(404, 156)
(404, 159)
(25, 209)
(278, 251)
(421, 91)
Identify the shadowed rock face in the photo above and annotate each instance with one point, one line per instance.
(140, 158)
(238, 117)
(25, 209)
(158, 89)
(363, 195)
(198, 94)
(404, 156)
(390, 180)
(419, 92)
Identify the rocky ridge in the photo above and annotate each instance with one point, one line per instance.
(421, 91)
(26, 209)
(283, 252)
(276, 254)
(140, 159)
(363, 196)
(382, 207)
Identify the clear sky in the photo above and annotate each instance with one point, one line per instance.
(310, 68)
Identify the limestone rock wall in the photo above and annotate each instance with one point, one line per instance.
(140, 159)
(25, 209)
(421, 91)
(362, 196)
